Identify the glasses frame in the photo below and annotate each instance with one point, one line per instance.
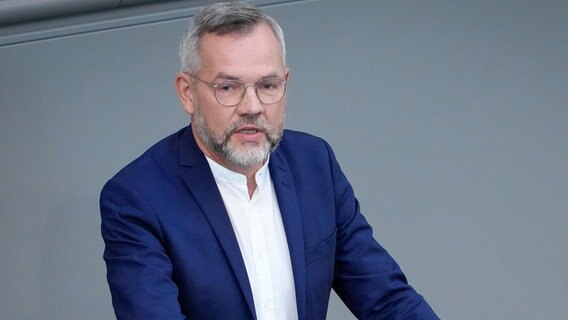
(244, 92)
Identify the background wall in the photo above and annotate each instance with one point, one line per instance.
(449, 117)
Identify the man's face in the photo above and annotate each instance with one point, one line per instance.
(241, 136)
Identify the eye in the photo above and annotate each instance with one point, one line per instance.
(228, 87)
(270, 84)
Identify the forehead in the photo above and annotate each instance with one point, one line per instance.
(251, 53)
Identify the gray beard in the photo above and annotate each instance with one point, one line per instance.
(251, 153)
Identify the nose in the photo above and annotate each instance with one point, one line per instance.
(250, 104)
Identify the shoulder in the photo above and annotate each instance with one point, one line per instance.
(158, 160)
(305, 151)
(298, 142)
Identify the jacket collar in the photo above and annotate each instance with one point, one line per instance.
(292, 220)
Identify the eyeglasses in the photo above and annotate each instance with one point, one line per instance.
(230, 93)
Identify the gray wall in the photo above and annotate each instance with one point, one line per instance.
(449, 117)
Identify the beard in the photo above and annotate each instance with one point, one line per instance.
(248, 153)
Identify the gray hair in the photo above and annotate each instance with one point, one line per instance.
(222, 19)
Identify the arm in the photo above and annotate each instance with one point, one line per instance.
(367, 278)
(139, 272)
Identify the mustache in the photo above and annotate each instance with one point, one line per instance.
(249, 120)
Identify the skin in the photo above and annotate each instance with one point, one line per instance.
(248, 57)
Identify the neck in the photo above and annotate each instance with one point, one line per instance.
(248, 172)
(251, 185)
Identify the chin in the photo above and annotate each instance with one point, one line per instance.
(248, 155)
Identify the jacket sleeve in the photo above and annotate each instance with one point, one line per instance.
(366, 277)
(139, 271)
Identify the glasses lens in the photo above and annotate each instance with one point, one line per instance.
(271, 90)
(229, 92)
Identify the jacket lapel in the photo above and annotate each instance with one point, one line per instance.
(201, 183)
(292, 220)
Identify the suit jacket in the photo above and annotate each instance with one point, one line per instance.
(171, 252)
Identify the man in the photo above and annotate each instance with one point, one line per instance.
(234, 217)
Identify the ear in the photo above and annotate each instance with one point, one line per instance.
(185, 92)
(287, 74)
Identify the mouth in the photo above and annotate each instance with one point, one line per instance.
(249, 134)
(248, 130)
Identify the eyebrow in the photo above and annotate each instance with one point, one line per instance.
(222, 75)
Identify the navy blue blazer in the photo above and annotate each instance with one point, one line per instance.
(171, 252)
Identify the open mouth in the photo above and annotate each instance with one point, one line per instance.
(248, 130)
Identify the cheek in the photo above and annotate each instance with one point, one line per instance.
(276, 116)
(217, 120)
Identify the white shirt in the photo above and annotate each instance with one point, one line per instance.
(260, 233)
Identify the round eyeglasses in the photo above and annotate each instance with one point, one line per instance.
(231, 92)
